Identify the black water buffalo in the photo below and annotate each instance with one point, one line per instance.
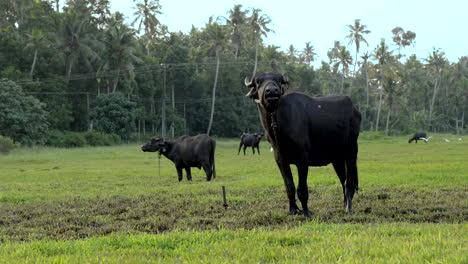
(186, 152)
(307, 131)
(250, 140)
(418, 136)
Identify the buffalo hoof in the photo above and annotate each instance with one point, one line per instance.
(295, 211)
(307, 214)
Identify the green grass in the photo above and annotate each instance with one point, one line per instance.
(113, 204)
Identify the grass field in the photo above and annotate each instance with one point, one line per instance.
(113, 204)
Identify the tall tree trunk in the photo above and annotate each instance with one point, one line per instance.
(256, 58)
(33, 63)
(57, 6)
(431, 108)
(342, 82)
(173, 108)
(69, 69)
(116, 81)
(388, 119)
(163, 106)
(378, 111)
(214, 93)
(367, 87)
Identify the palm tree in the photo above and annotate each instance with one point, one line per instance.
(383, 55)
(36, 42)
(217, 38)
(76, 41)
(308, 54)
(259, 25)
(292, 54)
(341, 57)
(436, 64)
(356, 36)
(235, 22)
(365, 64)
(145, 15)
(120, 54)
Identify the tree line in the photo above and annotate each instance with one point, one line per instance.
(85, 68)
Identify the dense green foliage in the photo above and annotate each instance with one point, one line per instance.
(22, 117)
(113, 113)
(113, 204)
(7, 144)
(189, 83)
(69, 139)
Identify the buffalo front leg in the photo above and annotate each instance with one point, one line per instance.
(340, 169)
(290, 188)
(302, 189)
(179, 173)
(189, 173)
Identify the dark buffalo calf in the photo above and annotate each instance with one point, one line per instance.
(418, 136)
(250, 140)
(186, 152)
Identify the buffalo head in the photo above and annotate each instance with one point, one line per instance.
(266, 89)
(155, 144)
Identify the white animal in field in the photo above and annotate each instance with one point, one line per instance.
(425, 139)
(447, 140)
(459, 139)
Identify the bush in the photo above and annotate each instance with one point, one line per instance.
(74, 139)
(7, 144)
(96, 138)
(66, 139)
(22, 117)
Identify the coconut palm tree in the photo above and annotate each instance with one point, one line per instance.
(217, 40)
(436, 64)
(259, 25)
(77, 42)
(120, 54)
(146, 15)
(308, 54)
(236, 20)
(36, 41)
(383, 56)
(340, 56)
(365, 65)
(356, 36)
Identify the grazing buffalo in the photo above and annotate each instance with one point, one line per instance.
(418, 136)
(250, 140)
(307, 131)
(186, 152)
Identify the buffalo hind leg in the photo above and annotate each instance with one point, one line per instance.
(290, 188)
(189, 173)
(208, 170)
(340, 169)
(351, 182)
(302, 189)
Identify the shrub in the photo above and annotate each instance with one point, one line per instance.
(113, 113)
(96, 138)
(22, 117)
(7, 144)
(74, 140)
(66, 139)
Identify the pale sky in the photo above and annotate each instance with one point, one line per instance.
(437, 23)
